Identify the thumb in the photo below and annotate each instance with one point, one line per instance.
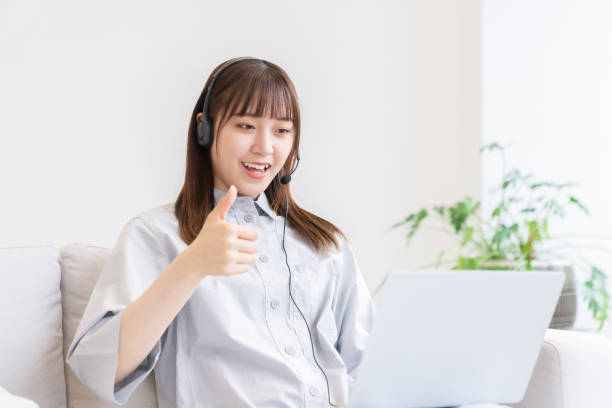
(225, 203)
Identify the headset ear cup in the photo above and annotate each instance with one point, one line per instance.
(204, 133)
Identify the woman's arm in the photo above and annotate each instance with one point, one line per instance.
(144, 321)
(136, 261)
(355, 312)
(113, 354)
(219, 249)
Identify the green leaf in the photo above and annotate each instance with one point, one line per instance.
(502, 233)
(558, 186)
(491, 147)
(556, 209)
(440, 210)
(467, 235)
(414, 221)
(574, 200)
(475, 207)
(459, 213)
(407, 219)
(595, 292)
(535, 186)
(513, 177)
(498, 210)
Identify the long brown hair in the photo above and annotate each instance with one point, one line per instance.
(256, 87)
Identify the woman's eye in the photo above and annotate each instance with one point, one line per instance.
(247, 127)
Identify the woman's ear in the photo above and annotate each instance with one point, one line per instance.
(198, 116)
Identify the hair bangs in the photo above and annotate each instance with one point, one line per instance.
(265, 96)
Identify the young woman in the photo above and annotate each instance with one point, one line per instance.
(233, 294)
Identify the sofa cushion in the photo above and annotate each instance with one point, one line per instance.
(573, 370)
(81, 265)
(31, 324)
(9, 400)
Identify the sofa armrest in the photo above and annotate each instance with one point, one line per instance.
(573, 370)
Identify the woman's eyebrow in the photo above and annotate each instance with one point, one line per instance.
(249, 115)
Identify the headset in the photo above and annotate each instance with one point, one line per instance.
(205, 138)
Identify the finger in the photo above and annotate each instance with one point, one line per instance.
(246, 232)
(242, 258)
(224, 204)
(239, 268)
(246, 246)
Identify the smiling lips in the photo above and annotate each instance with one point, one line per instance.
(256, 170)
(256, 165)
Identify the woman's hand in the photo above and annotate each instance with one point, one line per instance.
(222, 248)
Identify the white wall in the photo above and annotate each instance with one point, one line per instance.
(547, 87)
(96, 99)
(432, 110)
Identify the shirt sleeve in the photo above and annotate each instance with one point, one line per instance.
(136, 260)
(354, 312)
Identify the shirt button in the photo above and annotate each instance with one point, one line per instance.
(289, 350)
(314, 391)
(275, 303)
(263, 258)
(248, 217)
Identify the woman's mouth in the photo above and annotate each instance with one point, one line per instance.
(255, 170)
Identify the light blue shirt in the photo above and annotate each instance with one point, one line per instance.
(239, 341)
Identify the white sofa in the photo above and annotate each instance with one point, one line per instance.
(44, 291)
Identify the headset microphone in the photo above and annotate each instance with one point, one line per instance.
(287, 177)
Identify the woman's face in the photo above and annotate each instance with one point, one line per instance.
(252, 140)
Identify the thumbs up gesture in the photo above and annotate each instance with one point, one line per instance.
(222, 248)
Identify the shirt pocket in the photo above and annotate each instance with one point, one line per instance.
(315, 287)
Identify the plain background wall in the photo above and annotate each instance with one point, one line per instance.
(547, 89)
(96, 99)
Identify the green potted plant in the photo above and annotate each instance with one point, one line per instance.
(513, 237)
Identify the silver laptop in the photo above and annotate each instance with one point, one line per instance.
(446, 338)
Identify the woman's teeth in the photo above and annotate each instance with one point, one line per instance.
(260, 167)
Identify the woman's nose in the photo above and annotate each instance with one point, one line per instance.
(263, 142)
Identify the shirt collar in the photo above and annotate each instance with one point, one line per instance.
(261, 204)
